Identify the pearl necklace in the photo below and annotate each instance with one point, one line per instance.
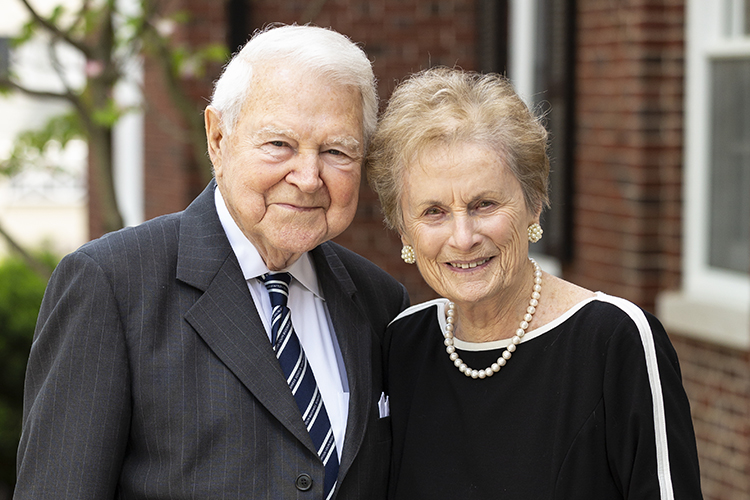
(507, 353)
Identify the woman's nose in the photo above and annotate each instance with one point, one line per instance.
(465, 234)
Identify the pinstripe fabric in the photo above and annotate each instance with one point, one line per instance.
(300, 377)
(151, 374)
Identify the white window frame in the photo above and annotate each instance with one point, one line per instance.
(714, 304)
(128, 136)
(522, 47)
(521, 62)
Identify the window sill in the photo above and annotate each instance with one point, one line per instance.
(696, 317)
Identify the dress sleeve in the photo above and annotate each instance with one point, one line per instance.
(650, 438)
(76, 400)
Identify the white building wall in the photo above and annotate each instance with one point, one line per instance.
(41, 208)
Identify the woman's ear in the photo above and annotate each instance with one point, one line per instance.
(538, 215)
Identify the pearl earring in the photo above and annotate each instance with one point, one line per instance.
(535, 232)
(407, 253)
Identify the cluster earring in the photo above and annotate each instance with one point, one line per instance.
(407, 253)
(535, 232)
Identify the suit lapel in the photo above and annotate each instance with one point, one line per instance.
(225, 316)
(352, 331)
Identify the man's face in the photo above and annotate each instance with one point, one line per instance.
(290, 170)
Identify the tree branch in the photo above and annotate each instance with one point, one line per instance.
(57, 67)
(35, 264)
(50, 26)
(7, 82)
(80, 16)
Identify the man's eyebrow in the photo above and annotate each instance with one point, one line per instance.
(345, 141)
(270, 131)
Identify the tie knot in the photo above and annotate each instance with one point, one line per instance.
(277, 285)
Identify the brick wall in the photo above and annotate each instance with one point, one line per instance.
(629, 145)
(717, 381)
(165, 153)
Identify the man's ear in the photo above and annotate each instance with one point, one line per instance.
(214, 136)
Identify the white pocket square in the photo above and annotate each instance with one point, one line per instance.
(383, 408)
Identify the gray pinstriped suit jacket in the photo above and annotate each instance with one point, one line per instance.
(151, 375)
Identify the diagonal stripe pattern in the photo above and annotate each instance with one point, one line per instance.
(300, 377)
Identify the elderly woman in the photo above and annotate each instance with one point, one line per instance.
(516, 384)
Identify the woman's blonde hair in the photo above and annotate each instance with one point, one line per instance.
(443, 106)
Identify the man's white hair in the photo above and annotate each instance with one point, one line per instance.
(319, 51)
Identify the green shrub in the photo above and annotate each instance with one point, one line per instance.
(21, 292)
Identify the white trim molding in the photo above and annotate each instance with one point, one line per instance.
(714, 303)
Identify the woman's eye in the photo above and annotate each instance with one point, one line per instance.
(278, 144)
(485, 204)
(432, 211)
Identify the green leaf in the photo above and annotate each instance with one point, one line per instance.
(57, 12)
(107, 116)
(181, 16)
(28, 30)
(214, 52)
(30, 146)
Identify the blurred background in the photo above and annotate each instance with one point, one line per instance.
(647, 102)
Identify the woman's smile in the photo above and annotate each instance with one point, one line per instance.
(468, 265)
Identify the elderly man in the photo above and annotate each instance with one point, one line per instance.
(171, 360)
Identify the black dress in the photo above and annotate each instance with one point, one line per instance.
(590, 406)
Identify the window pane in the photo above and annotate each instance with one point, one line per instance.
(730, 166)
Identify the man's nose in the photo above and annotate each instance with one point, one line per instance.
(305, 172)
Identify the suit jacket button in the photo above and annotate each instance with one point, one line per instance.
(303, 482)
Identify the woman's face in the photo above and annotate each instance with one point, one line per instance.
(465, 216)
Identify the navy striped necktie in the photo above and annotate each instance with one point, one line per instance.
(299, 376)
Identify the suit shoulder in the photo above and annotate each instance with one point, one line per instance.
(161, 232)
(135, 250)
(377, 290)
(358, 266)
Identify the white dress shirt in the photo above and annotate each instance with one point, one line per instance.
(309, 317)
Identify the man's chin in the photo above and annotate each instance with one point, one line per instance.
(300, 240)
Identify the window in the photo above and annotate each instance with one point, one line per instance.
(715, 301)
(541, 66)
(730, 165)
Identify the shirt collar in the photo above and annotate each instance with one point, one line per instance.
(251, 263)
